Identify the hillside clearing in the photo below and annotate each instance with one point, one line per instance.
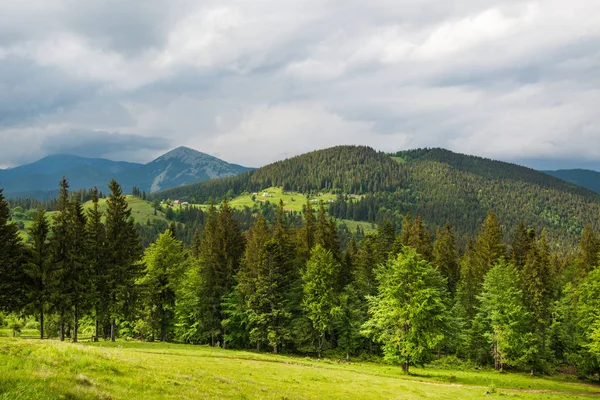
(32, 369)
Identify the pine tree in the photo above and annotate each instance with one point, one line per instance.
(522, 242)
(123, 253)
(38, 267)
(538, 279)
(589, 246)
(479, 258)
(364, 271)
(326, 234)
(164, 264)
(12, 276)
(445, 258)
(319, 300)
(195, 246)
(268, 305)
(61, 252)
(347, 270)
(409, 315)
(306, 234)
(489, 248)
(79, 273)
(95, 236)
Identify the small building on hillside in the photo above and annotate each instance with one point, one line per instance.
(175, 202)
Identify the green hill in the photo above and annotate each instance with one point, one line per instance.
(141, 211)
(437, 184)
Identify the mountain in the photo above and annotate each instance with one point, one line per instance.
(177, 167)
(437, 184)
(183, 166)
(581, 177)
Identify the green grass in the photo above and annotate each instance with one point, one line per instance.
(33, 369)
(141, 211)
(292, 201)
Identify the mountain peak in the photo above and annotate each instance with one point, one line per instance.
(187, 156)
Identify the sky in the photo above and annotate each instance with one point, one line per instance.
(256, 81)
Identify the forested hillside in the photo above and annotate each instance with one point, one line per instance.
(437, 184)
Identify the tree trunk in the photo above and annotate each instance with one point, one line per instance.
(405, 367)
(62, 327)
(112, 330)
(96, 329)
(75, 324)
(42, 324)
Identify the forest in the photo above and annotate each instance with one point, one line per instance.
(439, 185)
(295, 284)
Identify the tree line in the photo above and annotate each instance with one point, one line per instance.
(403, 294)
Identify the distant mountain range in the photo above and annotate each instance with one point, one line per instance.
(178, 167)
(581, 177)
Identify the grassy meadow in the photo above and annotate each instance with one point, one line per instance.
(34, 369)
(141, 211)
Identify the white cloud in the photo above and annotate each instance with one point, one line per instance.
(507, 79)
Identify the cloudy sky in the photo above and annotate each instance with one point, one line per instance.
(256, 81)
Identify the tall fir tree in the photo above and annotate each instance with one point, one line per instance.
(123, 253)
(445, 258)
(61, 251)
(522, 243)
(79, 274)
(12, 275)
(538, 277)
(38, 267)
(589, 246)
(95, 236)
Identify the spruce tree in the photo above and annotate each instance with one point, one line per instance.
(95, 236)
(123, 253)
(12, 275)
(522, 242)
(79, 273)
(61, 253)
(306, 239)
(589, 246)
(38, 269)
(268, 305)
(445, 258)
(538, 279)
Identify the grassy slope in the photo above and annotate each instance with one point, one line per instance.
(31, 369)
(141, 211)
(292, 201)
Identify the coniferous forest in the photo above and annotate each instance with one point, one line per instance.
(296, 284)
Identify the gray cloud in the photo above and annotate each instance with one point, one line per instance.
(506, 79)
(101, 144)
